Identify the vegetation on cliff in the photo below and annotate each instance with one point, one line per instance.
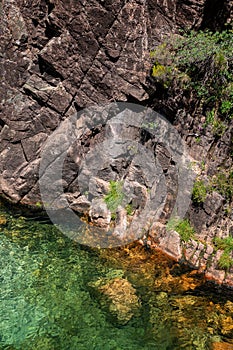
(193, 73)
(201, 64)
(192, 79)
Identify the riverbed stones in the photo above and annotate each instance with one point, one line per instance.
(226, 323)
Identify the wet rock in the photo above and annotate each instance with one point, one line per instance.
(3, 220)
(98, 187)
(215, 275)
(61, 57)
(190, 249)
(136, 193)
(221, 346)
(32, 146)
(226, 324)
(198, 218)
(54, 96)
(122, 300)
(228, 280)
(80, 204)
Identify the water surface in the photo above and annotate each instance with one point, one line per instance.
(58, 295)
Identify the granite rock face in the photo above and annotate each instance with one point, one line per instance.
(59, 56)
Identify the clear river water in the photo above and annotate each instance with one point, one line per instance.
(58, 295)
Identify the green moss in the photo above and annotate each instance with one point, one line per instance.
(183, 227)
(39, 205)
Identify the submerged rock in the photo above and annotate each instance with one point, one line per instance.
(221, 346)
(229, 306)
(3, 220)
(119, 297)
(226, 323)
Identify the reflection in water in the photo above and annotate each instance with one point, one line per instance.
(58, 295)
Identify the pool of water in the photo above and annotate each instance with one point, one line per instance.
(58, 295)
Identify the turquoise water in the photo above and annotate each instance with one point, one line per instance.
(56, 295)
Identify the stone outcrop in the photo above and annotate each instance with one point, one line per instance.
(60, 56)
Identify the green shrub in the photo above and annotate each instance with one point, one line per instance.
(223, 183)
(129, 209)
(226, 107)
(225, 261)
(199, 192)
(183, 227)
(225, 244)
(201, 62)
(115, 196)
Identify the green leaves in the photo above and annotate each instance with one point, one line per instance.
(199, 192)
(223, 184)
(225, 261)
(115, 196)
(183, 227)
(201, 62)
(225, 244)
